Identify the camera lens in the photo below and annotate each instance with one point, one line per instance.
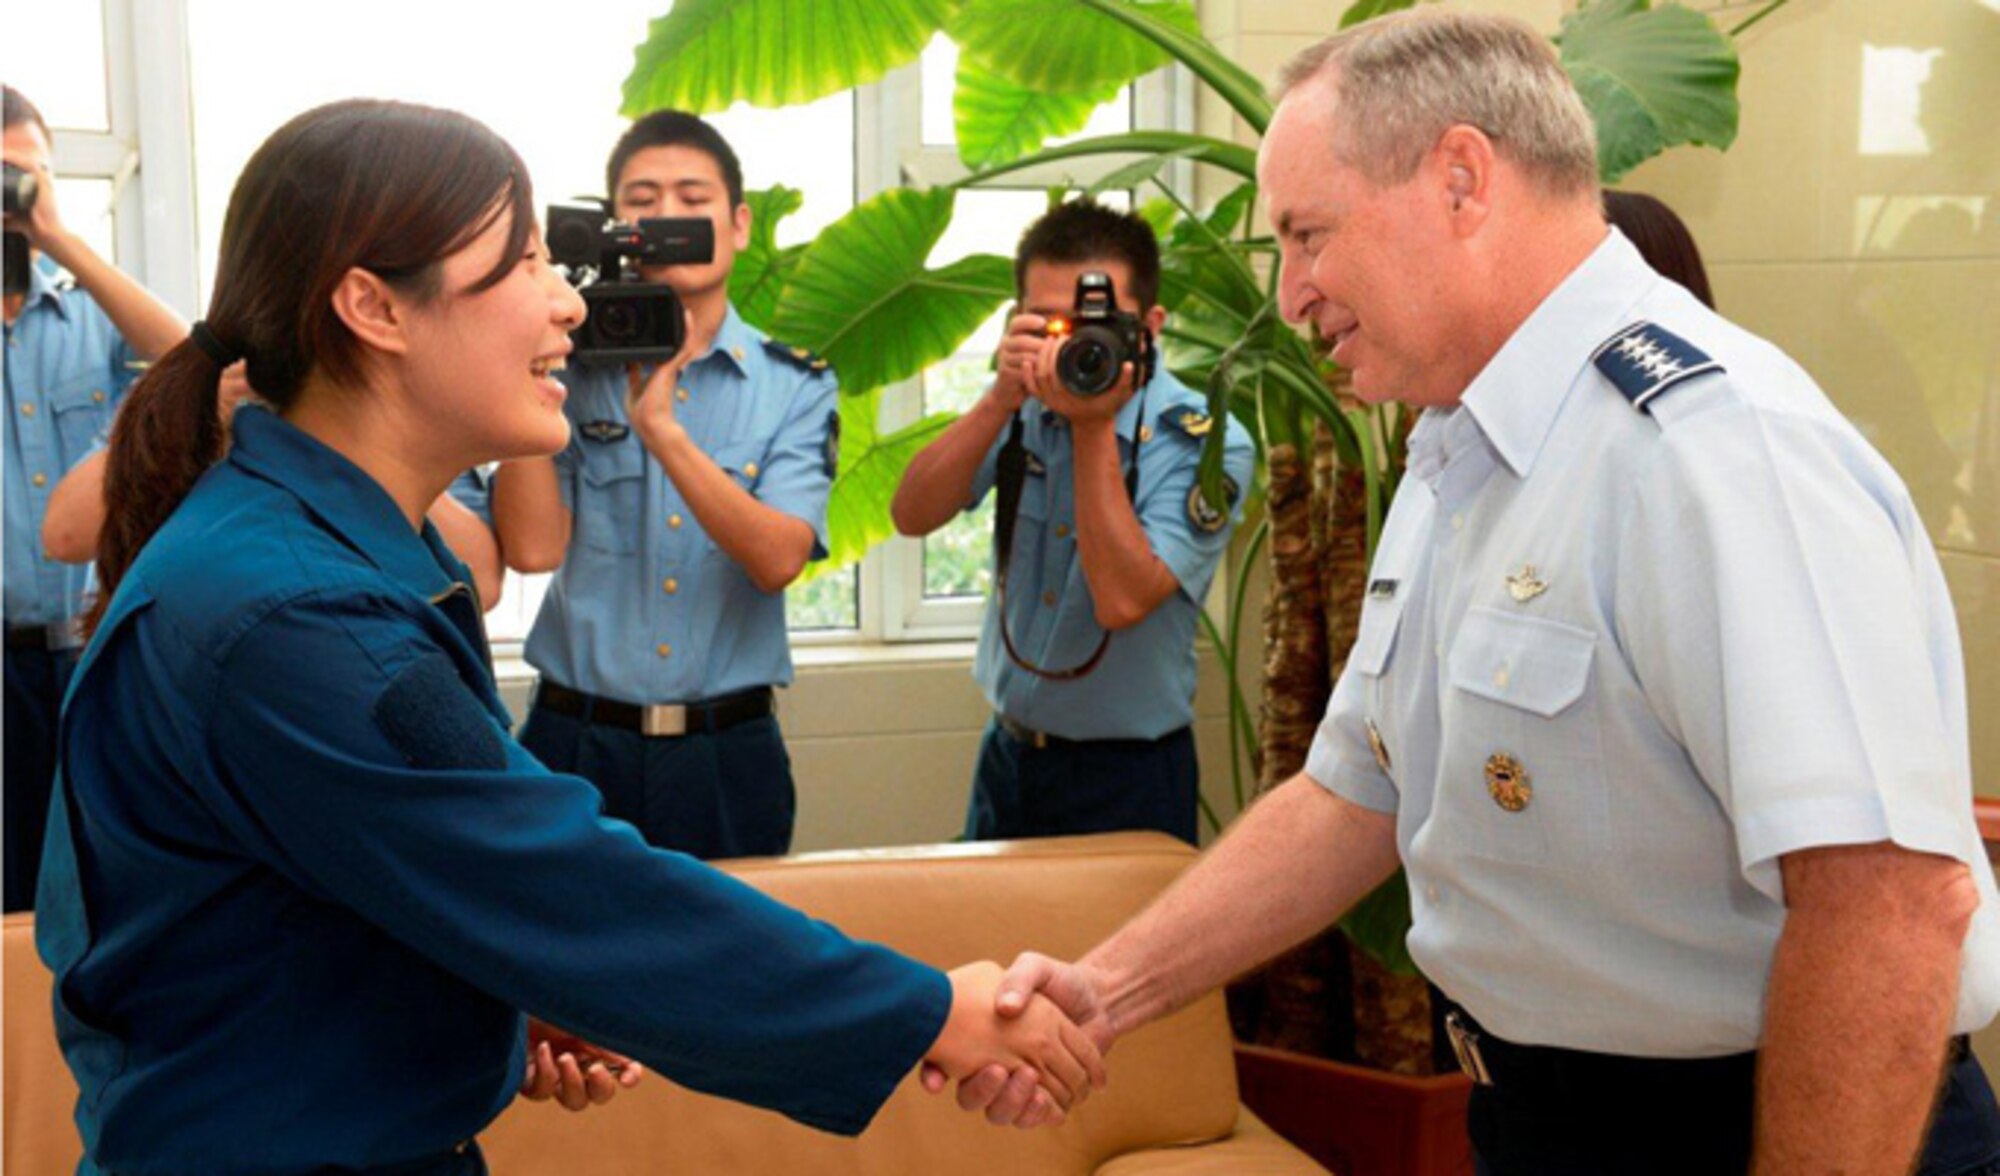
(623, 322)
(1088, 364)
(20, 196)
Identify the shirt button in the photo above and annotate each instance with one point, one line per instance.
(97, 397)
(1500, 677)
(1062, 530)
(1431, 893)
(1458, 522)
(672, 586)
(663, 649)
(1049, 598)
(674, 521)
(41, 479)
(737, 352)
(681, 393)
(749, 469)
(27, 410)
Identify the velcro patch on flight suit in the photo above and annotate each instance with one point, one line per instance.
(1644, 360)
(429, 716)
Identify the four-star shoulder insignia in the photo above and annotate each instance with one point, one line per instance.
(796, 356)
(1644, 360)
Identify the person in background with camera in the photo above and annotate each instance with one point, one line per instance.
(73, 347)
(1104, 542)
(687, 500)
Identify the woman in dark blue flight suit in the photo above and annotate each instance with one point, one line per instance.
(300, 881)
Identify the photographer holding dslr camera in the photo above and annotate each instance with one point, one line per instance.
(1104, 546)
(688, 498)
(73, 348)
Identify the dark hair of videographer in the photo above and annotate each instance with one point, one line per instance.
(1662, 238)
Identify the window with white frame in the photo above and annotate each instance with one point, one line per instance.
(552, 89)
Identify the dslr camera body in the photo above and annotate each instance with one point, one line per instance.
(629, 319)
(1099, 339)
(21, 190)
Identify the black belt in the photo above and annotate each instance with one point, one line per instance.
(43, 637)
(664, 720)
(1022, 733)
(1495, 1061)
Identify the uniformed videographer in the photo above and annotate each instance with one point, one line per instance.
(1088, 655)
(674, 521)
(74, 345)
(1657, 693)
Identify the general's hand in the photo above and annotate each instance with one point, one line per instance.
(43, 224)
(1004, 1097)
(649, 399)
(1038, 1050)
(572, 1071)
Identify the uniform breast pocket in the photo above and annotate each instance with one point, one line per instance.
(1521, 771)
(743, 461)
(611, 497)
(82, 409)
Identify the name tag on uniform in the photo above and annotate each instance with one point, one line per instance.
(605, 432)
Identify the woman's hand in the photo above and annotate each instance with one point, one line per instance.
(1039, 1045)
(572, 1071)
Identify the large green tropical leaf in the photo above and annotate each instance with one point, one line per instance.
(761, 267)
(999, 121)
(871, 466)
(1653, 78)
(862, 298)
(1201, 148)
(1236, 85)
(707, 54)
(1380, 925)
(1064, 46)
(1362, 10)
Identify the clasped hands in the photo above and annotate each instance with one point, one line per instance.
(1053, 1030)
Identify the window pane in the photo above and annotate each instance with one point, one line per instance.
(830, 602)
(87, 211)
(940, 75)
(56, 59)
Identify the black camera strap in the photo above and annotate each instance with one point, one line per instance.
(1010, 479)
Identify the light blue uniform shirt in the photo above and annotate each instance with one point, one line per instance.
(67, 368)
(1144, 687)
(1735, 642)
(646, 608)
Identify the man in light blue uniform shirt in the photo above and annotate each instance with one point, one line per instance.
(1094, 701)
(1657, 694)
(72, 351)
(674, 523)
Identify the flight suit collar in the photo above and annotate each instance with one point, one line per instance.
(1521, 391)
(345, 499)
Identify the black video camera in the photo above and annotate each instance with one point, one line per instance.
(20, 198)
(629, 320)
(1100, 340)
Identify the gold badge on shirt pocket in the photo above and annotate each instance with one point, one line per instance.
(1508, 782)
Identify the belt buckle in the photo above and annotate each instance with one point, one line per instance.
(666, 719)
(1465, 1044)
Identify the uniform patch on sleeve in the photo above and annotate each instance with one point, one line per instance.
(429, 716)
(833, 443)
(1644, 360)
(1208, 519)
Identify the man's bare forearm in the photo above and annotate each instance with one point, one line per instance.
(937, 484)
(1863, 986)
(1286, 870)
(528, 515)
(148, 325)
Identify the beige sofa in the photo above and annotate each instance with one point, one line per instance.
(1171, 1107)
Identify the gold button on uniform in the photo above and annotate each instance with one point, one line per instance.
(97, 398)
(1062, 530)
(1376, 745)
(681, 393)
(672, 586)
(749, 469)
(663, 649)
(1145, 433)
(737, 352)
(1049, 598)
(674, 521)
(1508, 782)
(27, 410)
(41, 479)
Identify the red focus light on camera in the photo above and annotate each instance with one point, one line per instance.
(1059, 327)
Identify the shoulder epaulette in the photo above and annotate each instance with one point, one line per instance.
(796, 356)
(1644, 360)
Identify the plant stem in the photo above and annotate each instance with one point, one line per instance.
(1760, 14)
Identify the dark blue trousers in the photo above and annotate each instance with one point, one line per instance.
(1639, 1117)
(36, 679)
(709, 794)
(1091, 786)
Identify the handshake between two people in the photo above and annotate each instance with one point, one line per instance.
(1025, 1046)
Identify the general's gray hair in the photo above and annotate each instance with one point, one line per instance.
(1402, 80)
